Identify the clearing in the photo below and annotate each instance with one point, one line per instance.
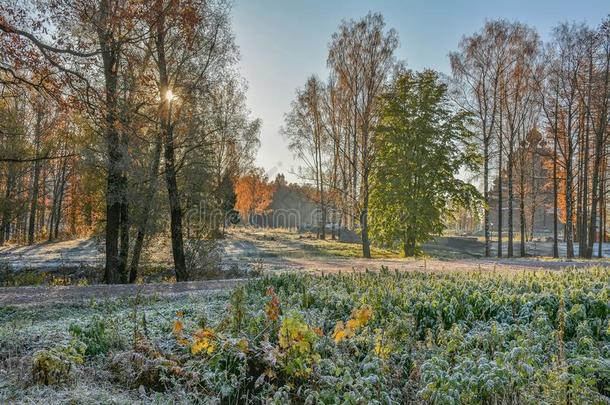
(267, 251)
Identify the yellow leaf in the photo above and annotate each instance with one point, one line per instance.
(382, 349)
(352, 324)
(341, 332)
(362, 315)
(203, 341)
(197, 347)
(178, 327)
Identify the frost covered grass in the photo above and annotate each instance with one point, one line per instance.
(385, 337)
(89, 275)
(289, 244)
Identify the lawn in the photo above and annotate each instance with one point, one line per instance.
(385, 337)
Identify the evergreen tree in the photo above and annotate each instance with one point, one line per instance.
(422, 145)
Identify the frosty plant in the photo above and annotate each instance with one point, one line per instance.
(272, 307)
(204, 341)
(360, 317)
(296, 340)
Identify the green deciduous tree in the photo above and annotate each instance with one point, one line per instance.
(422, 145)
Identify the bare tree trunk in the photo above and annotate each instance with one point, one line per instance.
(60, 197)
(113, 209)
(36, 179)
(124, 235)
(500, 185)
(579, 195)
(53, 213)
(5, 226)
(584, 189)
(366, 244)
(354, 160)
(534, 191)
(510, 196)
(600, 136)
(110, 53)
(409, 244)
(43, 206)
(595, 186)
(142, 225)
(55, 202)
(602, 214)
(522, 200)
(319, 169)
(486, 195)
(174, 206)
(569, 228)
(555, 185)
(170, 166)
(322, 201)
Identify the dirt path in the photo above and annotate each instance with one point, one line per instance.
(45, 295)
(331, 265)
(271, 254)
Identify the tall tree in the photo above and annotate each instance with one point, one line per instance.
(477, 68)
(422, 145)
(569, 64)
(599, 102)
(361, 55)
(518, 98)
(306, 130)
(38, 128)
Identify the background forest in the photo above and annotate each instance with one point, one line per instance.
(118, 118)
(539, 113)
(128, 121)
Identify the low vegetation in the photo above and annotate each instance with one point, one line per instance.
(386, 337)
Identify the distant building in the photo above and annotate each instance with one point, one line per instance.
(538, 192)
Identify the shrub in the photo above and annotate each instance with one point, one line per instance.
(134, 369)
(56, 365)
(98, 335)
(202, 259)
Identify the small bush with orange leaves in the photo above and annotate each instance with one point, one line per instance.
(360, 317)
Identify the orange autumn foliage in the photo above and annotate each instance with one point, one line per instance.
(254, 194)
(561, 172)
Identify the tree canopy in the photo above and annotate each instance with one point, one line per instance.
(421, 146)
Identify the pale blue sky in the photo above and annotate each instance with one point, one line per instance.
(283, 42)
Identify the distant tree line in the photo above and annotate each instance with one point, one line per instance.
(522, 100)
(516, 85)
(360, 150)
